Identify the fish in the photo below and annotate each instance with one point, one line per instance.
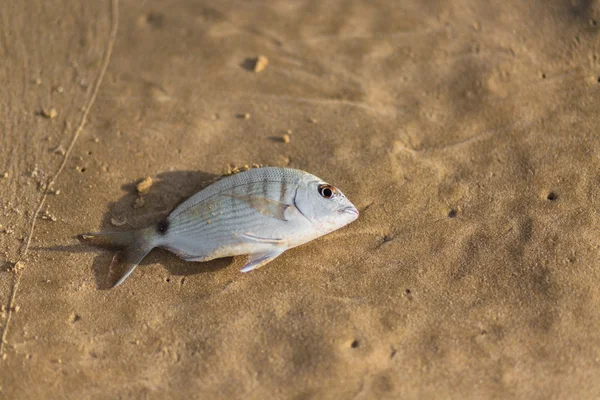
(260, 212)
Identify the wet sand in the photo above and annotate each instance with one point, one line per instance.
(465, 132)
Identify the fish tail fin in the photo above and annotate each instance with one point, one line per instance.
(132, 247)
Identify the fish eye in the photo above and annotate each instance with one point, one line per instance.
(327, 191)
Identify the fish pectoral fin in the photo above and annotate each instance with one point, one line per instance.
(257, 260)
(259, 239)
(268, 207)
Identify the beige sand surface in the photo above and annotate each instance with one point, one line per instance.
(449, 124)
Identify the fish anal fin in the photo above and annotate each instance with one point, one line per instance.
(257, 260)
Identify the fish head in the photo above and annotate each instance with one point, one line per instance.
(325, 206)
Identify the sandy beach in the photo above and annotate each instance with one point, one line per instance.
(465, 132)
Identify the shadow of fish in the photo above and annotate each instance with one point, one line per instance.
(261, 212)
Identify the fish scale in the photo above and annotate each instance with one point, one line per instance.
(238, 222)
(273, 174)
(232, 210)
(261, 212)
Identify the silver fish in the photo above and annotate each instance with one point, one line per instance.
(261, 212)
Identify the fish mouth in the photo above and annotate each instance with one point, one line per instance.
(350, 210)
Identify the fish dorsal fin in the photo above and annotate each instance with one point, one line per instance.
(257, 260)
(268, 207)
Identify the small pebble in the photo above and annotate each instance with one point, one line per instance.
(50, 114)
(74, 318)
(260, 63)
(285, 138)
(144, 186)
(48, 217)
